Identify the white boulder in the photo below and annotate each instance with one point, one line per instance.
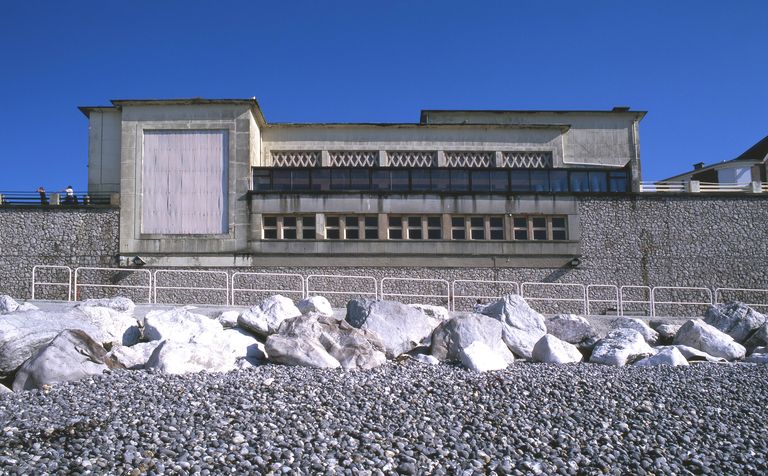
(180, 325)
(669, 356)
(425, 359)
(289, 350)
(735, 319)
(619, 347)
(439, 313)
(523, 326)
(757, 359)
(462, 330)
(691, 354)
(114, 317)
(228, 319)
(700, 335)
(174, 357)
(479, 357)
(551, 350)
(650, 335)
(136, 356)
(8, 304)
(573, 329)
(265, 318)
(243, 344)
(317, 304)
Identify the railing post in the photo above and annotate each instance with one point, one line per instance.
(55, 199)
(694, 186)
(756, 187)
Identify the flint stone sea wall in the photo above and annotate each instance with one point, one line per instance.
(652, 240)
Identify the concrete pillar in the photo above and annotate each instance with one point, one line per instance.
(383, 158)
(441, 162)
(55, 199)
(757, 187)
(694, 186)
(447, 226)
(114, 199)
(383, 226)
(498, 160)
(256, 231)
(319, 226)
(325, 158)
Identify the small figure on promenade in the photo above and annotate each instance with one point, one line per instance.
(43, 197)
(71, 198)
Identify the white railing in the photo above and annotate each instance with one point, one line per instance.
(582, 299)
(695, 186)
(662, 186)
(514, 289)
(68, 283)
(681, 289)
(145, 272)
(217, 289)
(269, 289)
(720, 291)
(724, 187)
(443, 298)
(343, 277)
(623, 300)
(610, 287)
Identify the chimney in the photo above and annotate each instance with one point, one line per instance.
(698, 165)
(620, 109)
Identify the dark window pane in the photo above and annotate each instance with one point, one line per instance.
(579, 182)
(321, 179)
(617, 182)
(262, 180)
(499, 181)
(539, 181)
(289, 221)
(558, 180)
(351, 222)
(458, 234)
(598, 182)
(372, 221)
(520, 222)
(497, 234)
(481, 181)
(371, 234)
(270, 234)
(414, 222)
(380, 180)
(435, 234)
(395, 234)
(420, 180)
(558, 235)
(395, 222)
(521, 234)
(270, 221)
(476, 222)
(457, 222)
(434, 222)
(308, 233)
(558, 222)
(520, 181)
(441, 180)
(308, 222)
(400, 180)
(497, 222)
(359, 179)
(414, 233)
(478, 234)
(539, 222)
(289, 233)
(459, 181)
(332, 234)
(353, 233)
(340, 179)
(539, 234)
(300, 180)
(332, 221)
(281, 180)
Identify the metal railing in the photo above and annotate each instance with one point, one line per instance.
(443, 298)
(590, 300)
(662, 186)
(68, 283)
(58, 199)
(146, 272)
(218, 289)
(514, 289)
(682, 289)
(353, 291)
(579, 287)
(695, 186)
(623, 300)
(720, 291)
(270, 289)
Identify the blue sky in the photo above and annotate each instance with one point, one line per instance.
(700, 68)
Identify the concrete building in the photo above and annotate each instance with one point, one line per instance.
(211, 183)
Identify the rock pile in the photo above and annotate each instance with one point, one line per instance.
(38, 348)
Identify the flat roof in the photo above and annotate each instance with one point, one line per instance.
(615, 110)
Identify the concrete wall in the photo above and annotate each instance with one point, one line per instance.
(104, 151)
(712, 241)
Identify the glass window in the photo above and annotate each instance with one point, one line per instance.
(598, 182)
(499, 181)
(520, 228)
(281, 180)
(420, 179)
(481, 181)
(476, 228)
(539, 228)
(380, 180)
(300, 180)
(269, 227)
(351, 228)
(340, 179)
(371, 227)
(332, 228)
(414, 228)
(459, 181)
(617, 182)
(395, 228)
(441, 180)
(520, 181)
(559, 231)
(434, 228)
(558, 180)
(400, 180)
(457, 228)
(579, 182)
(321, 179)
(308, 228)
(359, 179)
(496, 228)
(289, 228)
(262, 180)
(539, 180)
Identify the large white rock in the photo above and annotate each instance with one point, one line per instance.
(265, 318)
(619, 347)
(691, 354)
(289, 350)
(228, 319)
(317, 304)
(735, 319)
(573, 329)
(119, 304)
(759, 338)
(700, 335)
(667, 332)
(462, 330)
(523, 326)
(173, 357)
(7, 304)
(114, 317)
(650, 335)
(243, 344)
(436, 312)
(479, 357)
(425, 359)
(551, 350)
(757, 359)
(399, 327)
(72, 355)
(23, 334)
(180, 325)
(668, 356)
(136, 356)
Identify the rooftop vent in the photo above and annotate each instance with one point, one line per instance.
(620, 108)
(698, 165)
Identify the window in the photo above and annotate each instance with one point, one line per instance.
(351, 227)
(458, 228)
(496, 228)
(395, 228)
(539, 228)
(371, 224)
(288, 227)
(332, 228)
(270, 228)
(434, 228)
(415, 228)
(477, 228)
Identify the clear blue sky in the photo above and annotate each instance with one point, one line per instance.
(699, 67)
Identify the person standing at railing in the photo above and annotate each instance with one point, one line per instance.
(43, 197)
(71, 198)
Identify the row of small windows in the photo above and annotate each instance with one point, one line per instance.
(415, 227)
(437, 180)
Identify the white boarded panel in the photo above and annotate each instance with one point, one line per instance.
(184, 182)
